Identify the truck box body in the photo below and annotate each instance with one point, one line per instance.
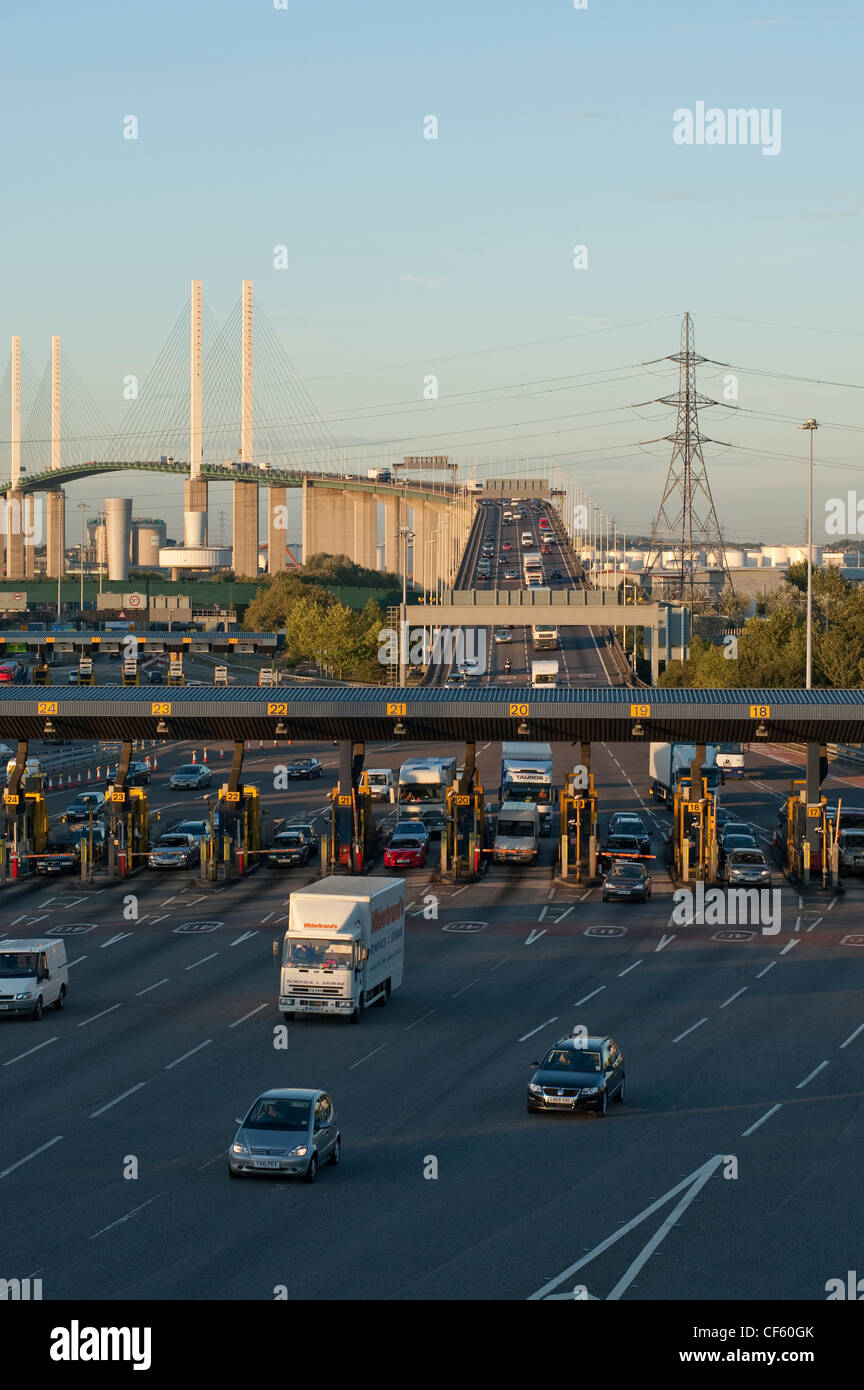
(544, 675)
(379, 475)
(517, 833)
(526, 776)
(344, 947)
(669, 762)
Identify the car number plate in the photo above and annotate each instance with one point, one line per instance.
(4, 1006)
(560, 1100)
(266, 1163)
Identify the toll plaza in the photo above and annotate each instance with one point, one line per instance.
(577, 853)
(350, 840)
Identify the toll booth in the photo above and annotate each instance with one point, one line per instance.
(25, 820)
(85, 671)
(42, 673)
(694, 833)
(175, 669)
(220, 675)
(266, 676)
(464, 837)
(578, 849)
(236, 837)
(128, 828)
(351, 834)
(807, 841)
(130, 673)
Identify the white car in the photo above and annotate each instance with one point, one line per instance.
(502, 634)
(469, 667)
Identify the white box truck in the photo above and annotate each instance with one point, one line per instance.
(33, 974)
(544, 637)
(423, 784)
(379, 475)
(544, 674)
(344, 948)
(669, 762)
(526, 777)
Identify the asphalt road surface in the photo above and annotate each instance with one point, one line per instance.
(742, 1125)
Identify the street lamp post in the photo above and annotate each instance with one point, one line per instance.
(406, 536)
(82, 507)
(810, 426)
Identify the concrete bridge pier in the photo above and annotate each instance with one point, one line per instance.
(55, 529)
(245, 531)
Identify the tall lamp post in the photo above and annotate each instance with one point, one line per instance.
(810, 426)
(406, 536)
(82, 507)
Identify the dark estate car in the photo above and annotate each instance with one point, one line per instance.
(304, 768)
(290, 847)
(629, 823)
(578, 1074)
(627, 880)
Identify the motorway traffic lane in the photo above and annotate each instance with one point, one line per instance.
(745, 1048)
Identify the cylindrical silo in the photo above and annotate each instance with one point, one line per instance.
(118, 517)
(151, 535)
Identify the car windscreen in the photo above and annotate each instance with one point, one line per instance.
(289, 841)
(624, 842)
(516, 829)
(852, 837)
(747, 856)
(17, 965)
(627, 871)
(731, 842)
(571, 1059)
(430, 791)
(377, 779)
(406, 842)
(173, 842)
(279, 1114)
(189, 768)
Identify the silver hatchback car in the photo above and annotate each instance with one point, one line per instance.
(287, 1133)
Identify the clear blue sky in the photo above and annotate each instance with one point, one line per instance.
(408, 256)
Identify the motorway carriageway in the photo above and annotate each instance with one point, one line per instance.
(751, 1046)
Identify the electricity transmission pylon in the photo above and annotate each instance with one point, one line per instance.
(686, 522)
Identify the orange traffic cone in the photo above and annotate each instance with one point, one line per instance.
(204, 759)
(194, 756)
(155, 762)
(89, 775)
(221, 752)
(79, 779)
(50, 785)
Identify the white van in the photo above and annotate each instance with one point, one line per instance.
(382, 783)
(33, 974)
(517, 833)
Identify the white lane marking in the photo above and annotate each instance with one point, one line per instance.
(102, 1014)
(768, 967)
(820, 1067)
(736, 995)
(526, 1036)
(117, 1100)
(694, 1181)
(77, 961)
(534, 936)
(34, 920)
(29, 1051)
(463, 889)
(831, 904)
(797, 926)
(27, 1157)
(500, 963)
(420, 1019)
(691, 1029)
(156, 986)
(586, 997)
(121, 1219)
(788, 947)
(22, 918)
(245, 937)
(265, 919)
(585, 895)
(250, 1014)
(800, 900)
(366, 1058)
(664, 941)
(853, 1036)
(121, 936)
(629, 968)
(463, 989)
(212, 956)
(766, 1116)
(814, 923)
(154, 920)
(191, 1053)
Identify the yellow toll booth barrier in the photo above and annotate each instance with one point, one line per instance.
(130, 674)
(694, 834)
(85, 671)
(351, 835)
(578, 848)
(26, 825)
(42, 674)
(464, 838)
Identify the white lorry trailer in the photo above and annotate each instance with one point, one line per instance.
(344, 948)
(669, 762)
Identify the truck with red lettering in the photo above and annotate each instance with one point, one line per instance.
(344, 948)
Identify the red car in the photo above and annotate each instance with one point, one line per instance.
(506, 546)
(406, 851)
